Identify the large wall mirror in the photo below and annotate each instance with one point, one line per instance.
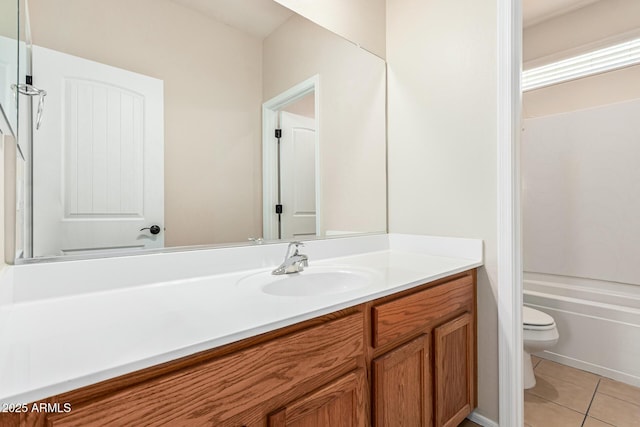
(173, 123)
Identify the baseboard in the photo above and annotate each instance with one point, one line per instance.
(482, 420)
(591, 367)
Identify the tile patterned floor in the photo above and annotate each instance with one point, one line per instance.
(568, 397)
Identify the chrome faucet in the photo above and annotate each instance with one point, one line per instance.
(294, 261)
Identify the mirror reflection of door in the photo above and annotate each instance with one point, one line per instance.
(291, 172)
(98, 158)
(297, 176)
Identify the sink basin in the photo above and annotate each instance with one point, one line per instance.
(313, 281)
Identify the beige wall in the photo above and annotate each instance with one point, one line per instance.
(8, 210)
(442, 141)
(572, 33)
(352, 118)
(8, 55)
(8, 20)
(361, 21)
(597, 25)
(305, 106)
(607, 88)
(212, 84)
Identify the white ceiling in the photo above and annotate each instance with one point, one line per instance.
(256, 17)
(536, 11)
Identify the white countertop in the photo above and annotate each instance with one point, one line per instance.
(57, 343)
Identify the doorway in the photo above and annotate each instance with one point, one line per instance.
(291, 159)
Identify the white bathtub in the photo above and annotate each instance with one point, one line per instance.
(598, 322)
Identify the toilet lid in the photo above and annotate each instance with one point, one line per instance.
(531, 317)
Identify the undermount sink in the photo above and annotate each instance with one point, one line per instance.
(313, 281)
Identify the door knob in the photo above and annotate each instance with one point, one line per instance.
(154, 229)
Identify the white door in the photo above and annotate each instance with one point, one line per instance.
(98, 175)
(297, 176)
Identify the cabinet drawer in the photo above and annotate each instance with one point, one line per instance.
(212, 392)
(395, 319)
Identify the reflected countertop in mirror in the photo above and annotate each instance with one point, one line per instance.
(155, 116)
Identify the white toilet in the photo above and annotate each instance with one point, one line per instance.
(540, 333)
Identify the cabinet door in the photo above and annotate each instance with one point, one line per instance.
(338, 404)
(454, 371)
(402, 386)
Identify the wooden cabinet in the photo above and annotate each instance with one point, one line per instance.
(403, 360)
(454, 371)
(423, 344)
(408, 315)
(237, 389)
(339, 403)
(402, 385)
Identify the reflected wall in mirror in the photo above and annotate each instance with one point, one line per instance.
(14, 66)
(154, 116)
(8, 66)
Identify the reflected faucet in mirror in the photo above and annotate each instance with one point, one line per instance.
(294, 261)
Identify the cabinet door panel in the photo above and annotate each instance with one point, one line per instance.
(454, 372)
(340, 404)
(402, 386)
(411, 314)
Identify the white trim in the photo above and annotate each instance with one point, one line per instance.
(270, 153)
(319, 205)
(482, 420)
(269, 188)
(511, 393)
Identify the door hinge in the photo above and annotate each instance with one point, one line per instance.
(278, 133)
(278, 209)
(29, 80)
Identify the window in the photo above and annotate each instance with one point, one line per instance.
(599, 61)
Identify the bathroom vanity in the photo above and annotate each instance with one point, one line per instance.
(401, 351)
(406, 359)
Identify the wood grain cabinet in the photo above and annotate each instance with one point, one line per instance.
(424, 365)
(402, 385)
(407, 360)
(339, 403)
(240, 388)
(454, 371)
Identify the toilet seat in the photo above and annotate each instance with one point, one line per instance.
(535, 320)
